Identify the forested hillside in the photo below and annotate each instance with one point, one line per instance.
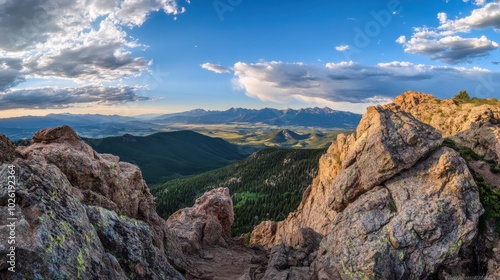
(168, 155)
(265, 186)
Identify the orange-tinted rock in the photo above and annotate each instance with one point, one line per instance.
(207, 223)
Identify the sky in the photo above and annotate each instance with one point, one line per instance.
(132, 57)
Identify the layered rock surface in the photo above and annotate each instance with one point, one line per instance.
(390, 201)
(407, 227)
(82, 215)
(469, 125)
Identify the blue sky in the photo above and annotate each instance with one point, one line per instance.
(133, 57)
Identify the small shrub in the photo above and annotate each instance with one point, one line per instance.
(494, 169)
(462, 97)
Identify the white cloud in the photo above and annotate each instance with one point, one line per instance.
(57, 39)
(450, 49)
(401, 39)
(481, 18)
(135, 12)
(53, 97)
(349, 82)
(99, 55)
(342, 48)
(215, 68)
(442, 17)
(442, 43)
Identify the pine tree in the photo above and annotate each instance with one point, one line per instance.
(462, 97)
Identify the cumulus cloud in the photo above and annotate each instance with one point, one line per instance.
(135, 12)
(351, 82)
(101, 57)
(443, 42)
(450, 49)
(59, 39)
(487, 16)
(53, 98)
(215, 68)
(342, 48)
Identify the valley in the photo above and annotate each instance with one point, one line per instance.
(265, 186)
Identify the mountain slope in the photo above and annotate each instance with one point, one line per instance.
(267, 185)
(167, 155)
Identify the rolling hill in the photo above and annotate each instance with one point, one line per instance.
(167, 155)
(267, 185)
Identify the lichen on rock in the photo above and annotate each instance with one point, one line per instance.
(82, 215)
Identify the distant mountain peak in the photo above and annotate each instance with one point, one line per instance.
(310, 117)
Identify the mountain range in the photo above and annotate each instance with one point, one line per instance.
(313, 117)
(98, 126)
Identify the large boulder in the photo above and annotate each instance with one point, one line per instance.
(207, 223)
(83, 215)
(408, 226)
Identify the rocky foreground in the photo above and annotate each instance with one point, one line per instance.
(394, 200)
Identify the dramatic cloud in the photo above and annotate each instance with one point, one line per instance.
(355, 83)
(443, 43)
(59, 39)
(215, 68)
(10, 73)
(100, 57)
(53, 98)
(26, 23)
(342, 48)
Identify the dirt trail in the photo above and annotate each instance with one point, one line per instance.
(237, 261)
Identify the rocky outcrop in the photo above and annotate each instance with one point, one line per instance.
(468, 124)
(386, 142)
(407, 227)
(7, 149)
(390, 201)
(83, 215)
(207, 223)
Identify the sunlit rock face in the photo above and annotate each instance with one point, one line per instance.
(82, 215)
